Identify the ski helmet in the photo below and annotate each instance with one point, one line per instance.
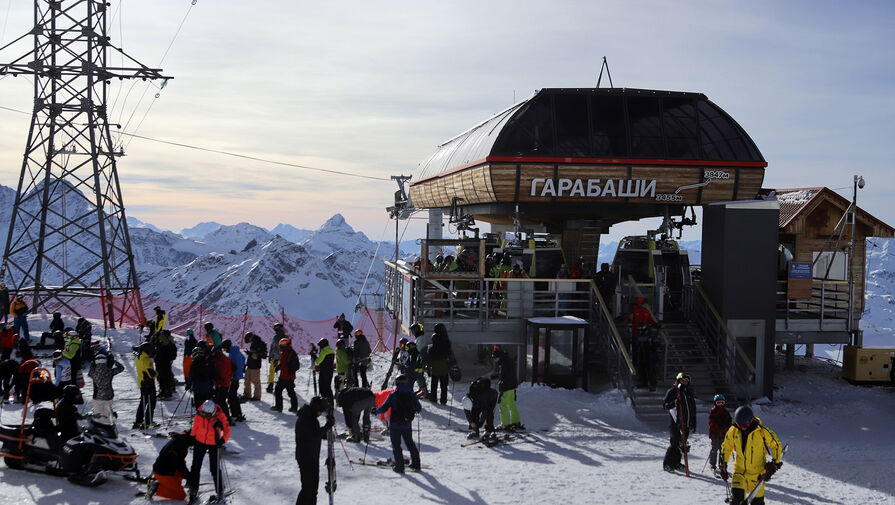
(402, 342)
(359, 333)
(146, 347)
(340, 343)
(683, 376)
(417, 329)
(719, 398)
(57, 354)
(743, 416)
(189, 333)
(284, 342)
(207, 408)
(323, 343)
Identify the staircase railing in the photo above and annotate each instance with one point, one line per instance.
(659, 328)
(735, 363)
(613, 347)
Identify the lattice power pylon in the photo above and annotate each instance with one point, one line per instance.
(68, 239)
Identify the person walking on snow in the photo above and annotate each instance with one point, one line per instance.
(507, 382)
(404, 406)
(210, 431)
(324, 366)
(719, 423)
(308, 437)
(289, 364)
(681, 409)
(273, 355)
(749, 441)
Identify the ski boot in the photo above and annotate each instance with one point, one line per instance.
(472, 435)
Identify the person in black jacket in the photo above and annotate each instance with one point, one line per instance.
(68, 413)
(56, 325)
(308, 437)
(354, 402)
(165, 354)
(170, 468)
(343, 327)
(440, 356)
(202, 374)
(361, 361)
(404, 406)
(479, 409)
(506, 384)
(324, 365)
(256, 354)
(4, 302)
(681, 409)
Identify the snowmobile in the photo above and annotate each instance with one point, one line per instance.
(84, 459)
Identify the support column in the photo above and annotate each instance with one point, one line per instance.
(809, 350)
(790, 356)
(434, 230)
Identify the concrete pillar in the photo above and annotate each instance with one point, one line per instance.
(809, 350)
(434, 230)
(790, 356)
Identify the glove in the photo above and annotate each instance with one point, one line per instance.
(723, 473)
(770, 468)
(316, 368)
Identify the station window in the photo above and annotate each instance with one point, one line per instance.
(570, 116)
(681, 139)
(646, 128)
(608, 119)
(531, 136)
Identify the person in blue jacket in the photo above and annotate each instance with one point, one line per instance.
(238, 361)
(404, 405)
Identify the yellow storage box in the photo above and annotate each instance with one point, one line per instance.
(868, 365)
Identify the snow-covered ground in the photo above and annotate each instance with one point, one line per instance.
(582, 448)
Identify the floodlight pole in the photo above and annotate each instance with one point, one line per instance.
(857, 340)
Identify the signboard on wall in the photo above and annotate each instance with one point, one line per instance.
(799, 285)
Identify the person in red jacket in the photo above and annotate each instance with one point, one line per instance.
(210, 431)
(719, 423)
(8, 341)
(287, 367)
(643, 344)
(223, 376)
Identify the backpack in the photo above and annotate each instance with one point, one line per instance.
(294, 364)
(402, 412)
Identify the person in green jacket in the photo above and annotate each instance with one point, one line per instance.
(324, 366)
(343, 364)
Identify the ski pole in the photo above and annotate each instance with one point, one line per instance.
(171, 418)
(350, 464)
(706, 461)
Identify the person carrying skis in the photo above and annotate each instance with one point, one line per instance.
(104, 368)
(440, 355)
(273, 355)
(343, 363)
(257, 352)
(324, 365)
(404, 406)
(478, 405)
(681, 409)
(146, 382)
(170, 468)
(354, 402)
(308, 437)
(361, 360)
(749, 441)
(210, 431)
(506, 385)
(289, 364)
(237, 364)
(719, 423)
(343, 327)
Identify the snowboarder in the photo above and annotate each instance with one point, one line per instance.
(719, 423)
(343, 327)
(507, 382)
(681, 409)
(749, 441)
(404, 405)
(324, 366)
(288, 366)
(104, 368)
(237, 362)
(210, 431)
(146, 375)
(440, 356)
(354, 402)
(273, 355)
(257, 352)
(170, 468)
(478, 405)
(308, 437)
(361, 360)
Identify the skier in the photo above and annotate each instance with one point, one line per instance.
(189, 344)
(440, 356)
(146, 382)
(354, 402)
(165, 354)
(210, 431)
(104, 368)
(479, 408)
(161, 319)
(343, 327)
(238, 363)
(507, 382)
(257, 352)
(202, 374)
(72, 352)
(681, 409)
(223, 375)
(19, 311)
(55, 325)
(750, 441)
(170, 468)
(404, 405)
(288, 366)
(273, 355)
(324, 365)
(308, 437)
(343, 363)
(719, 423)
(412, 364)
(212, 335)
(361, 360)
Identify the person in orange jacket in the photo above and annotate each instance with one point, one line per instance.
(210, 431)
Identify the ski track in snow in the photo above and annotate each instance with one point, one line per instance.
(593, 450)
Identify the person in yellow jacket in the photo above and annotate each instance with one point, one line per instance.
(146, 381)
(750, 441)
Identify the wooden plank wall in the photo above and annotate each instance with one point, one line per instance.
(804, 253)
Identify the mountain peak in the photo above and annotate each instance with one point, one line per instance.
(335, 222)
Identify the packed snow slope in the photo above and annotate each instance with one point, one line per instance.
(581, 448)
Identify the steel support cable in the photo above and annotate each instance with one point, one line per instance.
(398, 245)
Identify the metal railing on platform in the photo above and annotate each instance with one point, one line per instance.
(829, 300)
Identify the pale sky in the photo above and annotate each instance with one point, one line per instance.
(373, 87)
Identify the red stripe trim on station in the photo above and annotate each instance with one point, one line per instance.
(598, 161)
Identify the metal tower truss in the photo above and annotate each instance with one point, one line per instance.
(68, 238)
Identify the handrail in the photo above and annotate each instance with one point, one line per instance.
(614, 330)
(724, 328)
(647, 307)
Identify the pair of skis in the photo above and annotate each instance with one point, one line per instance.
(330, 485)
